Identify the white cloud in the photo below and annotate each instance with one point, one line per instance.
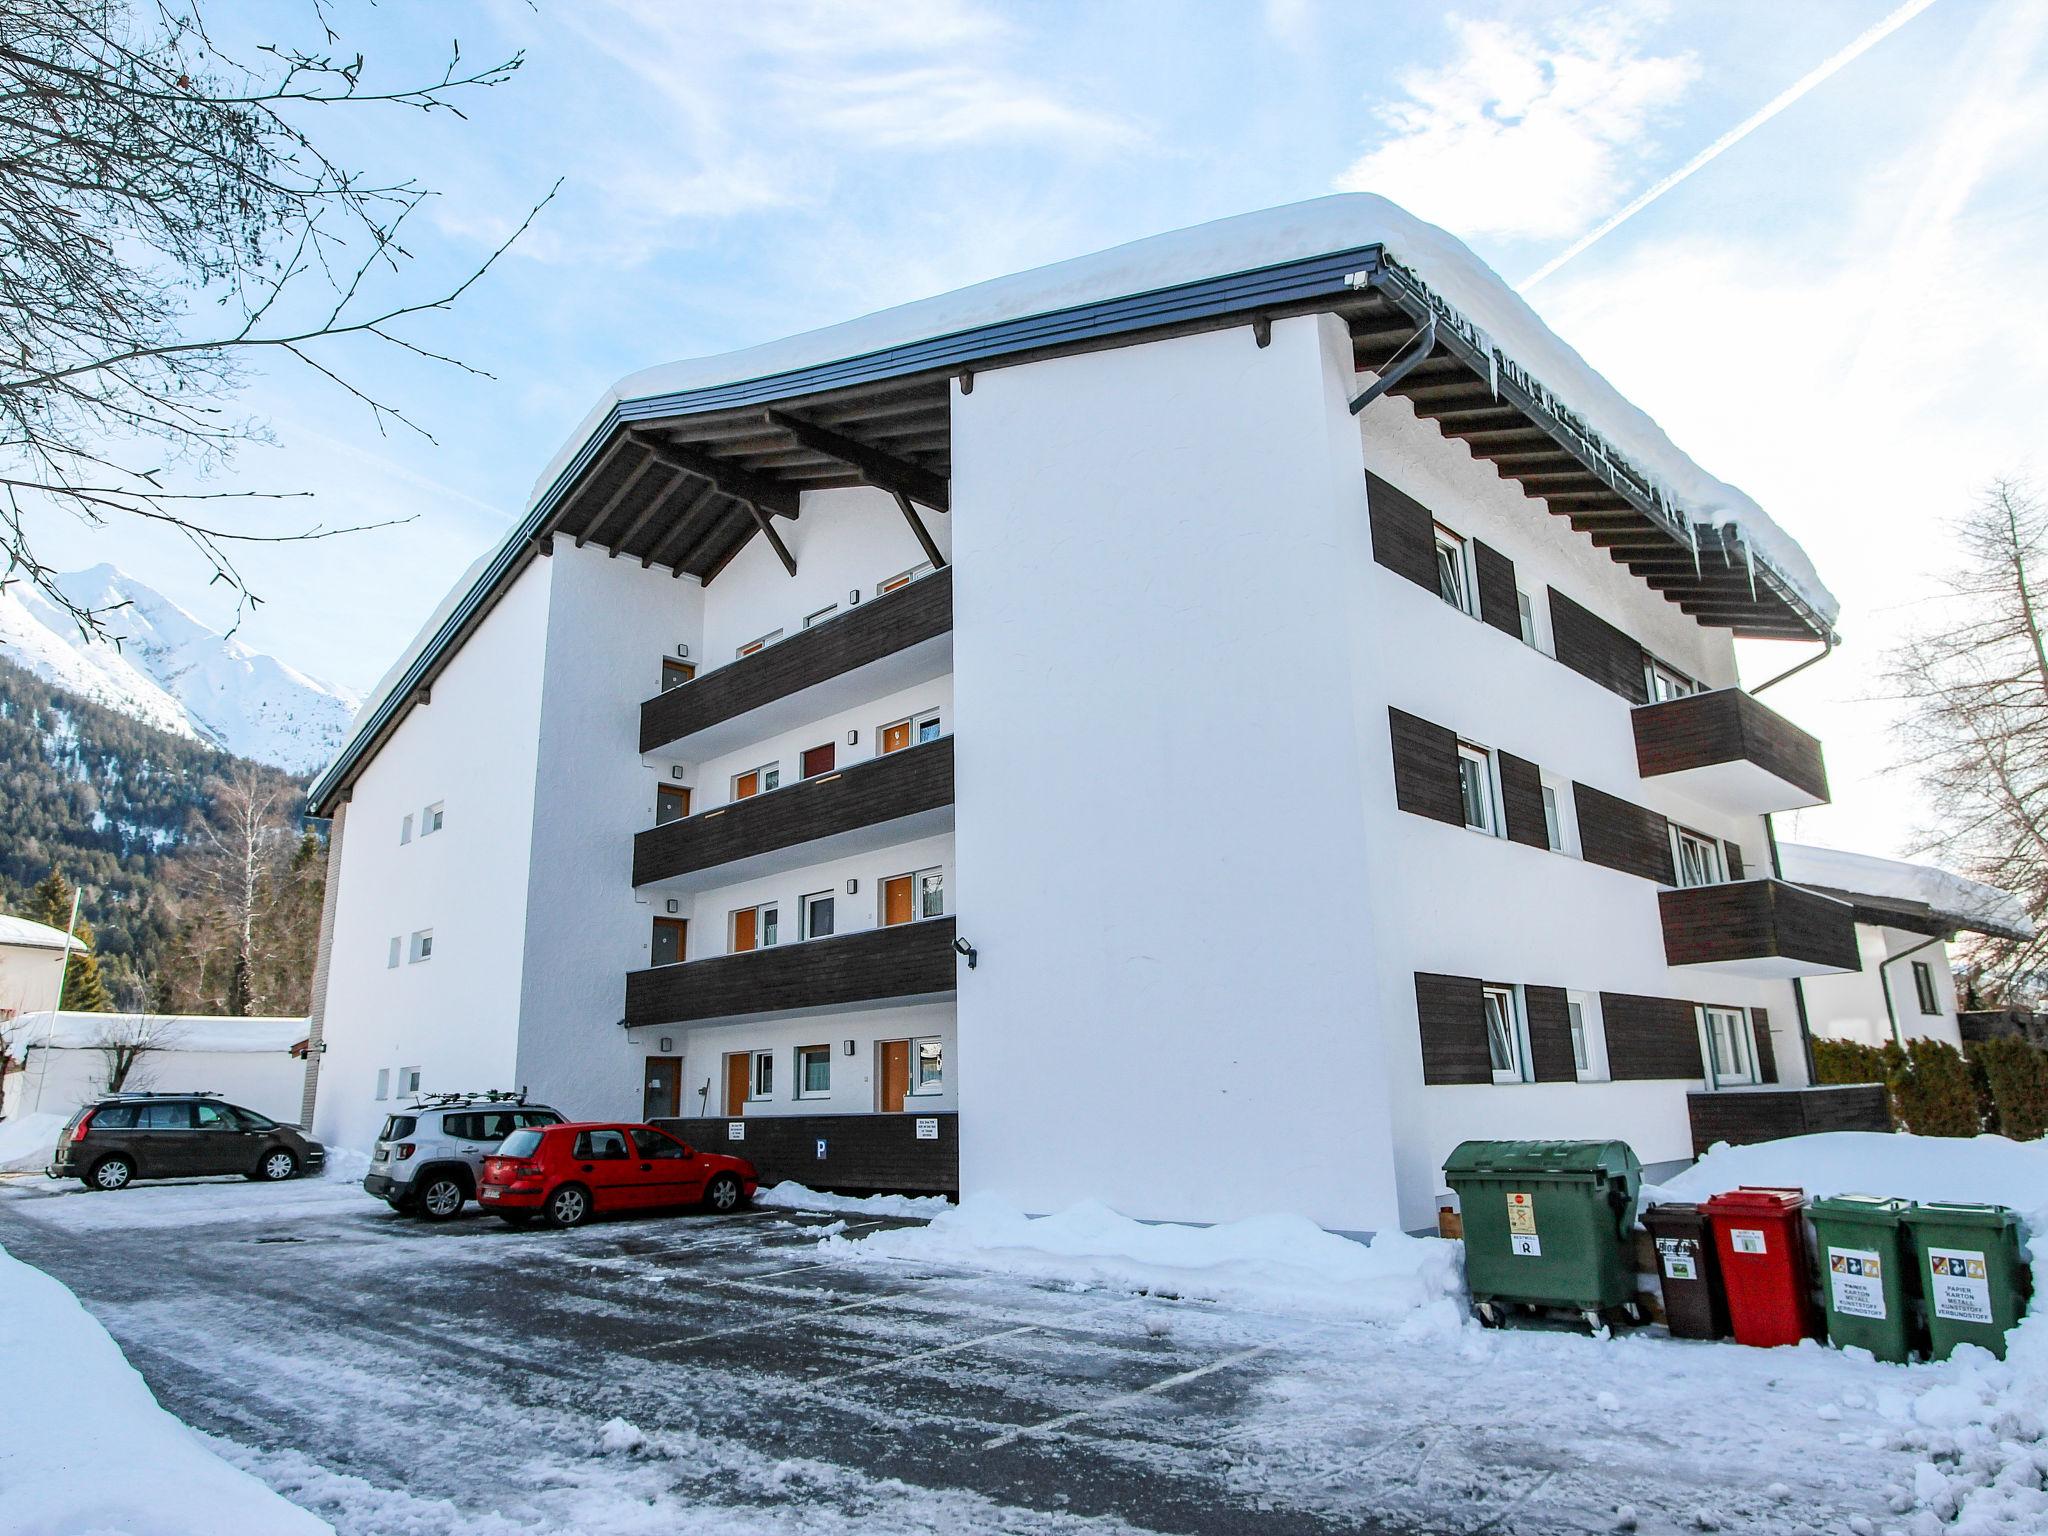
(1523, 134)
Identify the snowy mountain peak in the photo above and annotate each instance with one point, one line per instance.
(172, 671)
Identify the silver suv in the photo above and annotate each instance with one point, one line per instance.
(430, 1153)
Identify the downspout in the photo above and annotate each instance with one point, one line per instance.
(1890, 1011)
(1827, 649)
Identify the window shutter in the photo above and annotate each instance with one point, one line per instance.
(1550, 1034)
(1766, 1052)
(1497, 605)
(1403, 532)
(1620, 835)
(1426, 768)
(1591, 646)
(1521, 795)
(1734, 857)
(1651, 1038)
(1451, 1013)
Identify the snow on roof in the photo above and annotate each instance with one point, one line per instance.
(1222, 248)
(1948, 897)
(24, 934)
(175, 1031)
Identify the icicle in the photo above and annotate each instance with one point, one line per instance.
(1749, 559)
(1493, 371)
(1692, 537)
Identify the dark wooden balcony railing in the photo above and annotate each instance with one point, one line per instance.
(1727, 750)
(851, 1154)
(1758, 928)
(877, 628)
(880, 965)
(913, 782)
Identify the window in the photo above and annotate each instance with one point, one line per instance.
(1475, 787)
(1923, 983)
(756, 781)
(651, 1144)
(813, 1071)
(599, 1146)
(408, 1079)
(675, 673)
(384, 1077)
(819, 760)
(211, 1117)
(1589, 1038)
(822, 614)
(752, 646)
(430, 819)
(1451, 584)
(670, 941)
(1553, 822)
(397, 949)
(754, 928)
(671, 803)
(115, 1117)
(163, 1117)
(761, 1078)
(1698, 858)
(405, 830)
(423, 945)
(817, 913)
(928, 1066)
(1728, 1046)
(1668, 682)
(1525, 617)
(902, 578)
(931, 894)
(898, 734)
(913, 897)
(1503, 1034)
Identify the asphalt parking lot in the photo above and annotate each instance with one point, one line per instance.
(686, 1373)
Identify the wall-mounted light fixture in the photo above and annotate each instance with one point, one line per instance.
(667, 1045)
(853, 597)
(853, 738)
(973, 955)
(682, 650)
(674, 905)
(849, 1047)
(675, 770)
(852, 886)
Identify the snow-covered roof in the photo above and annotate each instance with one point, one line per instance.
(184, 1032)
(1915, 889)
(1223, 248)
(21, 933)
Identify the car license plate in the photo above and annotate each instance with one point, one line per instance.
(488, 1193)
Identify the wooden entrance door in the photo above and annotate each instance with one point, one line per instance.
(671, 941)
(737, 1067)
(895, 1075)
(819, 760)
(661, 1090)
(895, 900)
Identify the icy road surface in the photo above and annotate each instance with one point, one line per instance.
(685, 1374)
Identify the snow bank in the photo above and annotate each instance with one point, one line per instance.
(792, 1196)
(184, 1032)
(86, 1451)
(1279, 1263)
(27, 1141)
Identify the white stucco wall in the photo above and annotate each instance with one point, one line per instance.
(853, 912)
(854, 1077)
(711, 780)
(57, 1081)
(1852, 1007)
(29, 979)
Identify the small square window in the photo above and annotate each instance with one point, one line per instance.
(1667, 683)
(813, 1071)
(821, 615)
(408, 1079)
(819, 914)
(423, 945)
(430, 819)
(928, 1066)
(1697, 857)
(761, 1084)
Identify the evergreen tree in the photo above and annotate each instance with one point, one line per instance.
(85, 990)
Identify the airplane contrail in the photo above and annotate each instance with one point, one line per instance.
(1828, 67)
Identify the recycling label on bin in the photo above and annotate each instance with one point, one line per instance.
(1680, 1256)
(1746, 1240)
(1961, 1285)
(1856, 1282)
(1522, 1239)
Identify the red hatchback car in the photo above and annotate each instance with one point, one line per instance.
(568, 1173)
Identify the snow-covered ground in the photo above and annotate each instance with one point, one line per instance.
(26, 1142)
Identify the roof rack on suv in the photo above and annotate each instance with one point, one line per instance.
(443, 1100)
(162, 1093)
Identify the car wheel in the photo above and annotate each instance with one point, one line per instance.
(277, 1165)
(110, 1173)
(724, 1194)
(441, 1197)
(569, 1206)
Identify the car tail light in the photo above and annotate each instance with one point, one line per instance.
(405, 1149)
(523, 1171)
(84, 1125)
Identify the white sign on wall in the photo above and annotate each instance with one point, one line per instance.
(735, 1130)
(1961, 1286)
(1856, 1282)
(927, 1130)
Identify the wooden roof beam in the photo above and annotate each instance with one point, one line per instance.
(681, 520)
(880, 469)
(740, 484)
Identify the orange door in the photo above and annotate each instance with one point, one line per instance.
(743, 930)
(746, 786)
(896, 900)
(896, 737)
(895, 1075)
(737, 1068)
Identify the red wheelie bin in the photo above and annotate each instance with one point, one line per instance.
(1760, 1238)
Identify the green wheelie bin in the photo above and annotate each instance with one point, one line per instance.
(1971, 1272)
(1547, 1224)
(1863, 1252)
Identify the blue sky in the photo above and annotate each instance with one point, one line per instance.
(1838, 314)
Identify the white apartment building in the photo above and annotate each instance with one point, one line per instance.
(1206, 726)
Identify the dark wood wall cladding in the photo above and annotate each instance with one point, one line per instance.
(1650, 1037)
(1622, 835)
(864, 1154)
(902, 783)
(881, 964)
(879, 627)
(1757, 919)
(1497, 604)
(1403, 532)
(1734, 856)
(1740, 1116)
(1550, 1035)
(1521, 798)
(1426, 768)
(1766, 1049)
(1591, 646)
(1727, 725)
(1451, 1013)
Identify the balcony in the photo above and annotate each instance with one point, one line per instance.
(1762, 928)
(911, 962)
(894, 641)
(892, 799)
(1725, 750)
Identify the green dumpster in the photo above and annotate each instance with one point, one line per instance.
(1970, 1269)
(1863, 1254)
(1547, 1223)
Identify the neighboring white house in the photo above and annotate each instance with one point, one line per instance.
(1206, 726)
(31, 966)
(61, 1060)
(1906, 917)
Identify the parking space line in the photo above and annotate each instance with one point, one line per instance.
(782, 1320)
(1011, 1436)
(923, 1354)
